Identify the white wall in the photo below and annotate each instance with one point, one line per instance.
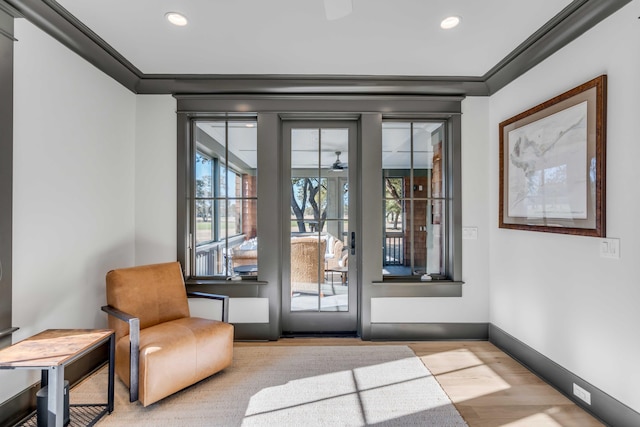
(155, 179)
(552, 291)
(73, 201)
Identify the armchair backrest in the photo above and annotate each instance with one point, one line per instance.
(153, 293)
(307, 259)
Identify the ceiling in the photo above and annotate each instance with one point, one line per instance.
(272, 37)
(289, 47)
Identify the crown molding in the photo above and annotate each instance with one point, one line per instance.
(312, 84)
(578, 17)
(54, 20)
(573, 21)
(9, 10)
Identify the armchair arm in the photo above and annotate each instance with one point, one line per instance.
(134, 347)
(223, 298)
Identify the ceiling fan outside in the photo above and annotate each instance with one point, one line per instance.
(338, 166)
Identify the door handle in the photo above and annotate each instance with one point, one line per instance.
(353, 243)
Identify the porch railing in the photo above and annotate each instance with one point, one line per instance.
(211, 260)
(393, 248)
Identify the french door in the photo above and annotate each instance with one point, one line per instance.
(320, 288)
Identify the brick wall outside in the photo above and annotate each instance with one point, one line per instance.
(249, 207)
(420, 211)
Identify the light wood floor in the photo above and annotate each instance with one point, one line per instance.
(488, 387)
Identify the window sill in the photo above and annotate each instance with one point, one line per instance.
(406, 288)
(416, 282)
(230, 288)
(225, 282)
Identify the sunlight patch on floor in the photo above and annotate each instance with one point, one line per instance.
(443, 362)
(382, 393)
(538, 420)
(485, 382)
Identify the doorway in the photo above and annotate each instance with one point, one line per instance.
(319, 275)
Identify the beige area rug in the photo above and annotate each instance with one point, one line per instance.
(295, 386)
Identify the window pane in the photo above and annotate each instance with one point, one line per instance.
(309, 202)
(422, 148)
(435, 241)
(220, 210)
(336, 272)
(222, 178)
(210, 259)
(345, 199)
(204, 175)
(304, 151)
(396, 146)
(234, 218)
(413, 182)
(428, 244)
(244, 248)
(419, 237)
(249, 219)
(395, 219)
(215, 130)
(243, 146)
(204, 223)
(428, 140)
(394, 188)
(226, 174)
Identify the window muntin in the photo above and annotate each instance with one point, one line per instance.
(414, 241)
(224, 204)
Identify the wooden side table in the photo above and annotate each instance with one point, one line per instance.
(51, 351)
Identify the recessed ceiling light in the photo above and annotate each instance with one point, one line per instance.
(450, 22)
(176, 18)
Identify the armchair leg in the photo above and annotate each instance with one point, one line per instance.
(134, 346)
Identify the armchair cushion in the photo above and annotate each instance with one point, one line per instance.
(175, 355)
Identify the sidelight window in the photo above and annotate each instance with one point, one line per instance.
(416, 204)
(224, 235)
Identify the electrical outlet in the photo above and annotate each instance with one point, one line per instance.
(582, 393)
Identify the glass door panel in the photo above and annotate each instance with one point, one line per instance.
(319, 236)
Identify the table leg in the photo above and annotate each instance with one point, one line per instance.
(112, 360)
(55, 400)
(44, 378)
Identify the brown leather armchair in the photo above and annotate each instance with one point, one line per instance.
(169, 350)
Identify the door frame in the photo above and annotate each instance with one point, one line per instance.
(320, 322)
(264, 320)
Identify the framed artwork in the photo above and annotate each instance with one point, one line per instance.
(552, 164)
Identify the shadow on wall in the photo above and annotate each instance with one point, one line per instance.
(96, 269)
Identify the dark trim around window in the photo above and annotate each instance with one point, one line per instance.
(271, 110)
(6, 171)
